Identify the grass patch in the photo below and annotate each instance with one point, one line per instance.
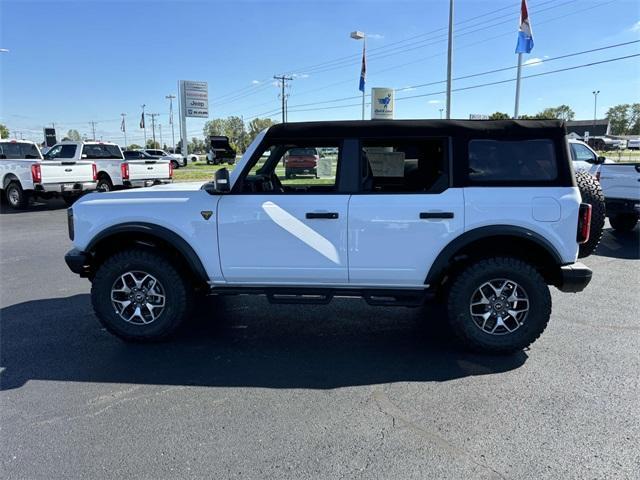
(622, 155)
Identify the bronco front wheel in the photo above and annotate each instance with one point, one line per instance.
(138, 295)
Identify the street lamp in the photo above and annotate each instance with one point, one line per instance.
(595, 106)
(173, 136)
(358, 35)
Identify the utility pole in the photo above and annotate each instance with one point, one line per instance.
(153, 125)
(595, 106)
(441, 109)
(173, 136)
(283, 83)
(449, 59)
(143, 124)
(93, 129)
(123, 127)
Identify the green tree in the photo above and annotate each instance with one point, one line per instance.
(74, 135)
(4, 131)
(499, 116)
(152, 144)
(624, 119)
(562, 112)
(256, 126)
(214, 127)
(134, 146)
(196, 145)
(234, 129)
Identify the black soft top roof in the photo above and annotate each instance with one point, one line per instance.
(410, 128)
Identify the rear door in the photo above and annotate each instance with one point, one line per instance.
(405, 214)
(60, 166)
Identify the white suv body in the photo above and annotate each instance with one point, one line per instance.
(405, 211)
(24, 174)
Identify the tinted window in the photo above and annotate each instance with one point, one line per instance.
(301, 152)
(517, 160)
(581, 153)
(101, 151)
(405, 166)
(131, 154)
(61, 151)
(19, 150)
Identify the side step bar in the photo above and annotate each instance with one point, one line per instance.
(322, 296)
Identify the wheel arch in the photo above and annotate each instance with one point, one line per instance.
(8, 178)
(147, 235)
(496, 240)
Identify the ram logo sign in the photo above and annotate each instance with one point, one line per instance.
(382, 103)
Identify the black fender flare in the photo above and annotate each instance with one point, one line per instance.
(442, 261)
(163, 233)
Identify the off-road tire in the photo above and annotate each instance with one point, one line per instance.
(178, 295)
(15, 196)
(104, 184)
(624, 222)
(591, 193)
(470, 279)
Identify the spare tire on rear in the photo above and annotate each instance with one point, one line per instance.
(591, 193)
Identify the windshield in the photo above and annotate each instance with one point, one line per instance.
(19, 150)
(101, 150)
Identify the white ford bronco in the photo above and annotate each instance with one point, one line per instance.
(484, 215)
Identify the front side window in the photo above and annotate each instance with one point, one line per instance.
(512, 160)
(288, 168)
(581, 153)
(405, 166)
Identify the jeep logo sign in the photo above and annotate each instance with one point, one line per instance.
(195, 98)
(382, 103)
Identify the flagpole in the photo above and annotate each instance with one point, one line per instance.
(144, 126)
(364, 52)
(517, 105)
(449, 59)
(124, 129)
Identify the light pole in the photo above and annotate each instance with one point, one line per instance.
(173, 136)
(441, 110)
(449, 59)
(595, 106)
(358, 35)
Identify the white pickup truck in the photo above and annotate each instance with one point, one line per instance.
(620, 184)
(25, 175)
(114, 171)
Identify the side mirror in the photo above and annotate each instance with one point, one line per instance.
(600, 160)
(221, 180)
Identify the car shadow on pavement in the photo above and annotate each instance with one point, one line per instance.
(623, 245)
(240, 342)
(35, 206)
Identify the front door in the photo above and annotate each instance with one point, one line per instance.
(279, 230)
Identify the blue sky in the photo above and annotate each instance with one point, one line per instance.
(74, 62)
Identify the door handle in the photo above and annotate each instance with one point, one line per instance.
(315, 215)
(431, 215)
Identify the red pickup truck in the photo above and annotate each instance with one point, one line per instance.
(300, 161)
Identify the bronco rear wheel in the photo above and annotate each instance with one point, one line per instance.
(499, 305)
(139, 295)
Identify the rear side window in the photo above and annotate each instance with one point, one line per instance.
(100, 151)
(512, 160)
(19, 150)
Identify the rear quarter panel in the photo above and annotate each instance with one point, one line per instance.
(551, 212)
(178, 211)
(17, 168)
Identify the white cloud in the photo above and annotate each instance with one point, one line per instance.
(434, 102)
(635, 27)
(376, 36)
(255, 82)
(533, 62)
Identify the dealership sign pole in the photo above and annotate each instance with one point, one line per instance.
(194, 102)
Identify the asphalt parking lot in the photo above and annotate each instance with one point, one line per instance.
(339, 391)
